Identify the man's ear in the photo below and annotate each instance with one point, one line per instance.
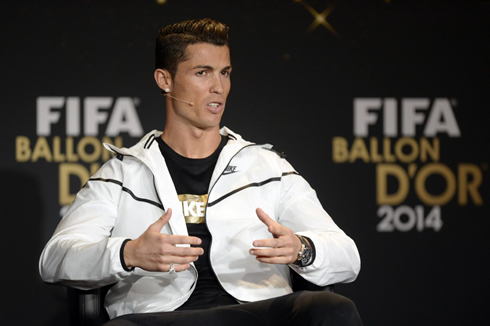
(163, 79)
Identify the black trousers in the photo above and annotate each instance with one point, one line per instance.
(298, 308)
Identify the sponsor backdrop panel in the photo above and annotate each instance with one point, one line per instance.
(381, 105)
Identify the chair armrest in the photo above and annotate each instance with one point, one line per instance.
(300, 284)
(86, 308)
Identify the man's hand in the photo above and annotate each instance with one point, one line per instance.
(283, 248)
(155, 251)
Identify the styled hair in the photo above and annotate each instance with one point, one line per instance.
(173, 40)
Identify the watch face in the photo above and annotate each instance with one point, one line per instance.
(305, 259)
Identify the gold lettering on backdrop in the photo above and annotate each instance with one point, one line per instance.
(374, 150)
(194, 207)
(469, 187)
(386, 150)
(58, 150)
(340, 152)
(375, 157)
(58, 156)
(85, 155)
(22, 149)
(426, 149)
(41, 150)
(465, 181)
(424, 173)
(70, 155)
(413, 153)
(382, 195)
(359, 151)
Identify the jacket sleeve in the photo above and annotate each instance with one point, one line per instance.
(337, 258)
(81, 253)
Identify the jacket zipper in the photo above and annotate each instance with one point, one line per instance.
(206, 214)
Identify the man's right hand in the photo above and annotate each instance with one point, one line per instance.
(155, 251)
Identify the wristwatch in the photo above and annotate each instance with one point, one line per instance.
(305, 254)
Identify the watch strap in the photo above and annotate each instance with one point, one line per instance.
(313, 250)
(307, 249)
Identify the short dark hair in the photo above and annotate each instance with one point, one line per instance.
(173, 40)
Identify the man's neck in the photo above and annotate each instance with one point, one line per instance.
(192, 142)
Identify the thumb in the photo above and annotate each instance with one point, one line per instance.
(265, 218)
(160, 223)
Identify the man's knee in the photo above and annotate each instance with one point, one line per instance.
(347, 313)
(328, 308)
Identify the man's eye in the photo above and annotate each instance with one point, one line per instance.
(201, 73)
(225, 73)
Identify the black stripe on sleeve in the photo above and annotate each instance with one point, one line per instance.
(289, 173)
(119, 183)
(254, 184)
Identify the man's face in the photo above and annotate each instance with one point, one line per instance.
(204, 79)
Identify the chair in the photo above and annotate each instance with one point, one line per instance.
(86, 308)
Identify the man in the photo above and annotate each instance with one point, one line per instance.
(236, 216)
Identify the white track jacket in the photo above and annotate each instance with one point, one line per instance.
(133, 189)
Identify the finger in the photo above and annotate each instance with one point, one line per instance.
(160, 223)
(180, 267)
(271, 224)
(186, 251)
(183, 239)
(163, 260)
(279, 230)
(180, 259)
(272, 243)
(274, 252)
(276, 242)
(264, 217)
(274, 260)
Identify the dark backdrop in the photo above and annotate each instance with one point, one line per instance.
(296, 79)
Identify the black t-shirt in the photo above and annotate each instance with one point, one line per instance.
(191, 178)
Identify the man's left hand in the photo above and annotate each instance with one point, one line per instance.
(283, 248)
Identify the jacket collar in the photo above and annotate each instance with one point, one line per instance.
(144, 147)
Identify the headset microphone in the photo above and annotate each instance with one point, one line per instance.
(178, 99)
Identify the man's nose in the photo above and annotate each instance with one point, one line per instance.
(217, 86)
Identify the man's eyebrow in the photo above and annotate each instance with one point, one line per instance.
(210, 67)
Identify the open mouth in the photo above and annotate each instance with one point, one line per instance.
(214, 104)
